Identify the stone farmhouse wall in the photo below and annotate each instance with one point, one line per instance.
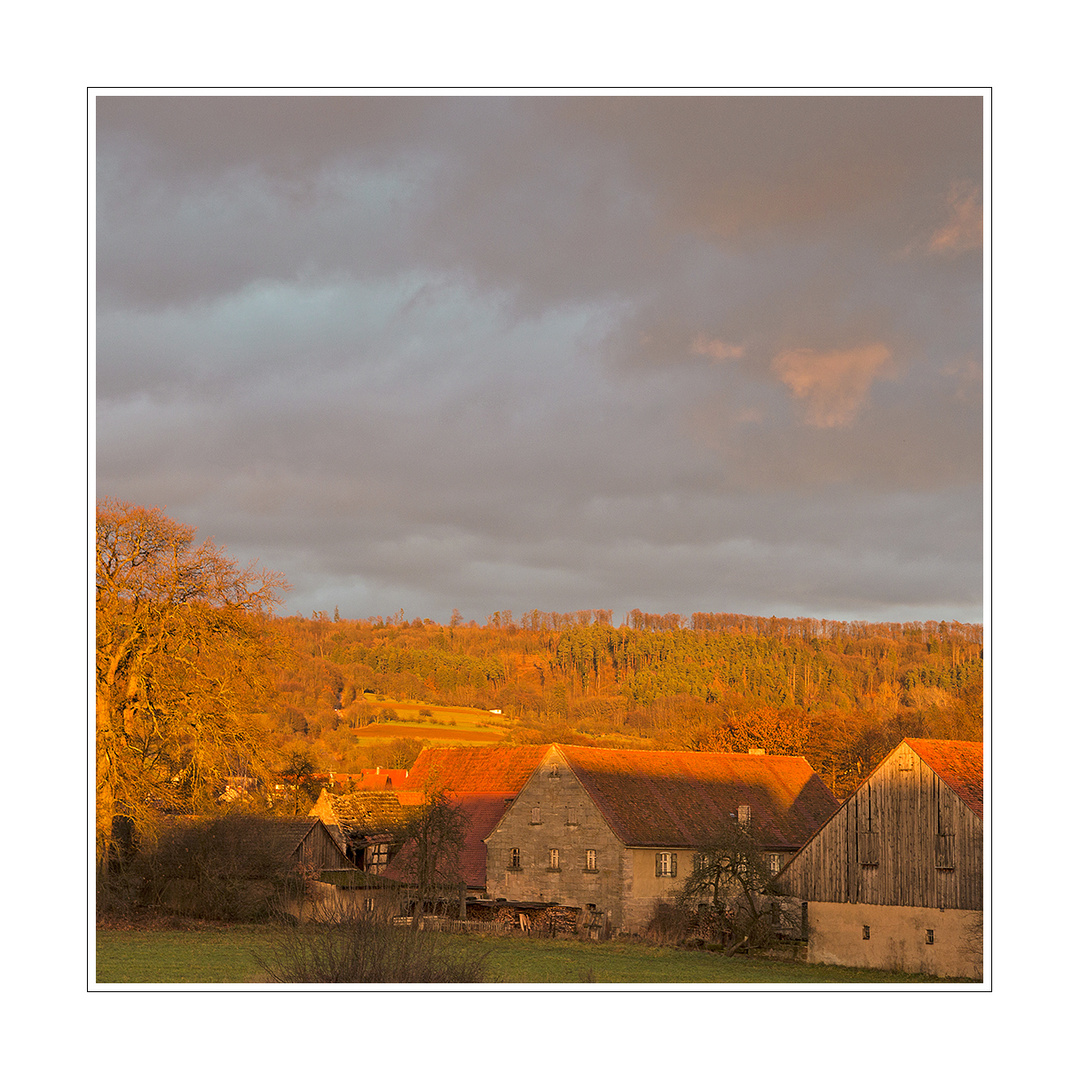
(553, 812)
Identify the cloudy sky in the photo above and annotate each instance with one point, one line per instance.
(678, 354)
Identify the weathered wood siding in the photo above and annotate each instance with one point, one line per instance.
(319, 850)
(903, 838)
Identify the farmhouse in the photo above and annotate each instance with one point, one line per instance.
(615, 831)
(894, 878)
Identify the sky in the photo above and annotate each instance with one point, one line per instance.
(712, 353)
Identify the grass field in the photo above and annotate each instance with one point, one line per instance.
(439, 724)
(227, 955)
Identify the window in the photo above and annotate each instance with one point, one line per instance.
(515, 858)
(701, 862)
(905, 760)
(590, 859)
(378, 855)
(866, 933)
(535, 815)
(572, 815)
(553, 859)
(667, 864)
(772, 862)
(929, 937)
(369, 903)
(554, 772)
(744, 815)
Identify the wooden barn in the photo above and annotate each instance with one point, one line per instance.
(295, 842)
(894, 878)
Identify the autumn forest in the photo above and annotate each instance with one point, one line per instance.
(199, 679)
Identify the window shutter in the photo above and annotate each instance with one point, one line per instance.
(659, 867)
(674, 865)
(944, 857)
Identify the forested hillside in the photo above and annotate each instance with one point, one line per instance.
(839, 693)
(198, 682)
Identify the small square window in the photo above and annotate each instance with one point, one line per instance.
(866, 933)
(929, 937)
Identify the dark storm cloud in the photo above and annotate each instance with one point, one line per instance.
(678, 354)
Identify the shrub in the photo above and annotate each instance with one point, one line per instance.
(365, 948)
(214, 869)
(670, 924)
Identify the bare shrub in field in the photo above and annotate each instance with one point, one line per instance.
(670, 924)
(365, 948)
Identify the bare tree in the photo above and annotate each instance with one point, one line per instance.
(731, 881)
(181, 644)
(434, 839)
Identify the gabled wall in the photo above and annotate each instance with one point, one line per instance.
(568, 822)
(904, 838)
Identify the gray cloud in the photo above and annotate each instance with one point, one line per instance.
(678, 354)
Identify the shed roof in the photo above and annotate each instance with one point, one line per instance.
(653, 798)
(959, 764)
(359, 813)
(277, 839)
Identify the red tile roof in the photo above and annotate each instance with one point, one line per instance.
(483, 811)
(656, 798)
(469, 769)
(959, 764)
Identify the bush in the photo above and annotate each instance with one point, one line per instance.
(214, 869)
(365, 948)
(670, 924)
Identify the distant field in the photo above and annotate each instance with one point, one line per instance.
(227, 955)
(446, 723)
(434, 733)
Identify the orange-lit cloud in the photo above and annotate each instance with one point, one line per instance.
(714, 347)
(963, 229)
(833, 384)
